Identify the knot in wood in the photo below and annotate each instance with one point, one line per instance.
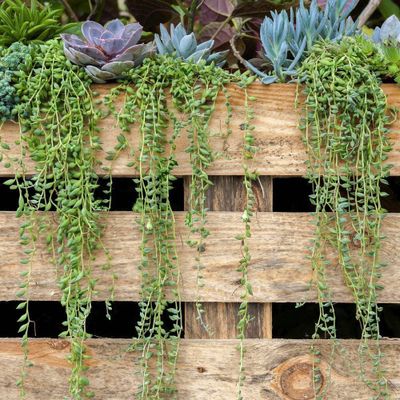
(297, 382)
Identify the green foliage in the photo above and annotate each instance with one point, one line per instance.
(193, 89)
(286, 37)
(22, 23)
(249, 151)
(58, 122)
(346, 136)
(14, 58)
(392, 61)
(179, 43)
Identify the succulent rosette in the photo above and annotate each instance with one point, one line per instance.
(107, 51)
(182, 45)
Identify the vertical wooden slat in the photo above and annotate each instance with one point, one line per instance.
(228, 194)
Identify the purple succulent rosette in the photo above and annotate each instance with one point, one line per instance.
(107, 52)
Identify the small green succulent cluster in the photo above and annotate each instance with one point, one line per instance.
(12, 60)
(388, 39)
(20, 22)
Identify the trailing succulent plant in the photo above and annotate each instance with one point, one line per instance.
(179, 43)
(107, 52)
(22, 23)
(388, 39)
(286, 37)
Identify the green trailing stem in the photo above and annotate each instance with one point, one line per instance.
(250, 177)
(58, 120)
(345, 132)
(193, 90)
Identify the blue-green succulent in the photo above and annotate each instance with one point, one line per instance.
(12, 59)
(387, 37)
(182, 45)
(286, 37)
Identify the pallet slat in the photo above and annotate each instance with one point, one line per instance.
(281, 151)
(275, 369)
(222, 318)
(279, 272)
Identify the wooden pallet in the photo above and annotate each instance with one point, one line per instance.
(208, 367)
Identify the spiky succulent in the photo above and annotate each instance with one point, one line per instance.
(286, 37)
(28, 21)
(107, 52)
(180, 44)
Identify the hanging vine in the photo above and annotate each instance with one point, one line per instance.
(58, 123)
(192, 90)
(250, 177)
(346, 136)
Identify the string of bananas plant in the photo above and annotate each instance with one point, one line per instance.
(58, 121)
(192, 89)
(250, 177)
(59, 116)
(345, 123)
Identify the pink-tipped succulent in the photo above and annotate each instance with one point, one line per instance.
(107, 52)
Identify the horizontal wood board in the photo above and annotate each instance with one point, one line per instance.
(279, 270)
(281, 151)
(275, 370)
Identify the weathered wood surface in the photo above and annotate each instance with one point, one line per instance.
(281, 151)
(279, 272)
(275, 370)
(228, 194)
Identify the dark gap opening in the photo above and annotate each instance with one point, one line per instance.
(48, 317)
(123, 195)
(290, 322)
(292, 195)
(392, 202)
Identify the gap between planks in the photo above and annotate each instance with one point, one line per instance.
(220, 319)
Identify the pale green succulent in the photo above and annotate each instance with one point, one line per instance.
(180, 44)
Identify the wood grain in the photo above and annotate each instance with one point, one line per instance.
(279, 271)
(281, 151)
(207, 369)
(228, 194)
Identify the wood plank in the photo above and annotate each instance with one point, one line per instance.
(275, 369)
(281, 151)
(228, 194)
(280, 271)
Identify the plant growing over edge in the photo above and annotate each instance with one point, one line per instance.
(193, 88)
(346, 136)
(181, 45)
(58, 123)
